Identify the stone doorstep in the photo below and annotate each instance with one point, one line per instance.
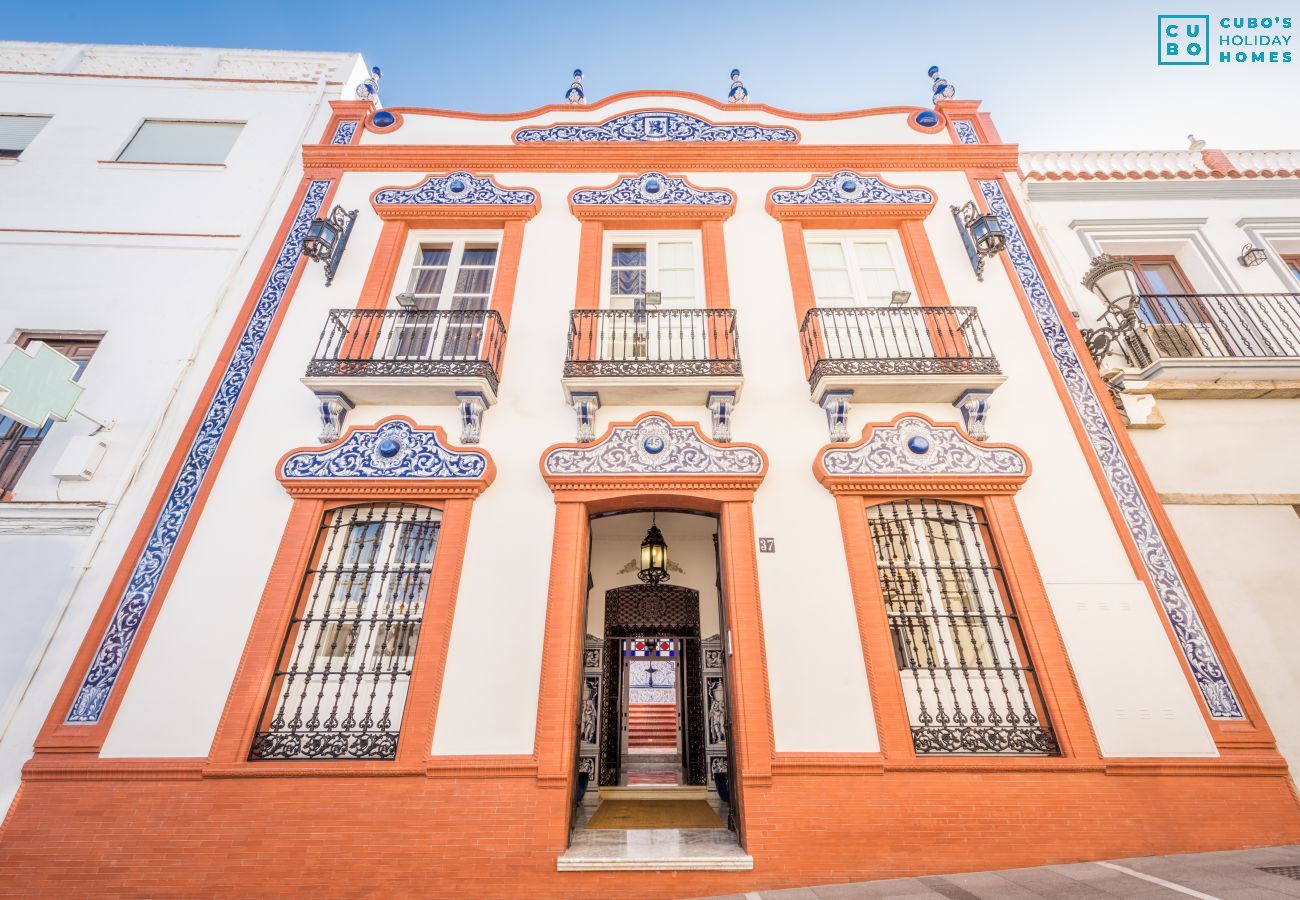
(741, 862)
(656, 792)
(655, 850)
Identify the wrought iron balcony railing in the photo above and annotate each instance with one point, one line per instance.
(1213, 326)
(410, 343)
(677, 342)
(910, 340)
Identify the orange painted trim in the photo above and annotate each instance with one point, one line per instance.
(693, 156)
(507, 274)
(1057, 684)
(283, 594)
(369, 122)
(345, 111)
(682, 95)
(717, 288)
(796, 256)
(383, 487)
(1230, 736)
(921, 263)
(928, 129)
(591, 250)
(475, 212)
(862, 484)
(384, 265)
(55, 735)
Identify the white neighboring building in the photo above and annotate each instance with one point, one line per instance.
(1212, 376)
(135, 182)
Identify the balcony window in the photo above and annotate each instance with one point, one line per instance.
(16, 132)
(190, 143)
(667, 265)
(850, 271)
(18, 442)
(454, 276)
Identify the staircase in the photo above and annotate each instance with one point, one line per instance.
(652, 728)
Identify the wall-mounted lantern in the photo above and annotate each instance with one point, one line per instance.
(654, 556)
(1252, 256)
(326, 238)
(981, 233)
(1114, 280)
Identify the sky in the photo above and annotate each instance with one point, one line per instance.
(1055, 76)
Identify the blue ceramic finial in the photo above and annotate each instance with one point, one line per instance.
(737, 94)
(369, 89)
(575, 94)
(942, 89)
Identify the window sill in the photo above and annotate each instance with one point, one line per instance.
(164, 166)
(49, 517)
(8, 161)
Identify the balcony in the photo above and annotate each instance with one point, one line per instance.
(898, 354)
(663, 356)
(421, 357)
(1208, 344)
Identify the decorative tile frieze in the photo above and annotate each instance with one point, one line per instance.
(106, 665)
(1173, 593)
(965, 129)
(851, 188)
(656, 126)
(391, 449)
(652, 188)
(913, 446)
(456, 188)
(344, 132)
(654, 445)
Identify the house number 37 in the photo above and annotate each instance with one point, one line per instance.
(767, 545)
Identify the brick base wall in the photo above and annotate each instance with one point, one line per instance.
(499, 836)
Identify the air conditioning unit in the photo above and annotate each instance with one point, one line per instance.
(1175, 341)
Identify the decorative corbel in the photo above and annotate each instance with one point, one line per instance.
(836, 404)
(334, 408)
(472, 406)
(720, 404)
(974, 406)
(585, 406)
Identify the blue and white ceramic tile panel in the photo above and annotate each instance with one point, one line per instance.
(344, 132)
(654, 446)
(657, 125)
(965, 129)
(1174, 597)
(458, 187)
(652, 188)
(390, 450)
(850, 187)
(913, 447)
(106, 666)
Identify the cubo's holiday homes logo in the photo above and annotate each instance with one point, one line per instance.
(1187, 40)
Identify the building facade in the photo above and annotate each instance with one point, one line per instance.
(789, 407)
(1206, 361)
(140, 187)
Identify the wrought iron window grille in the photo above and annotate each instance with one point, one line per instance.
(340, 683)
(968, 681)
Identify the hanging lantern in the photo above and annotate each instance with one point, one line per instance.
(654, 557)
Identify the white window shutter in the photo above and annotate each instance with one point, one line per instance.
(16, 132)
(181, 142)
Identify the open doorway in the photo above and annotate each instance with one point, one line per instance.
(654, 728)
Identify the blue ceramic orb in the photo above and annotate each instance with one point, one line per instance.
(383, 119)
(918, 444)
(457, 185)
(927, 119)
(653, 444)
(388, 448)
(653, 186)
(848, 185)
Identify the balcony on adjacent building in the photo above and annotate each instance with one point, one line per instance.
(1202, 344)
(419, 357)
(898, 354)
(636, 356)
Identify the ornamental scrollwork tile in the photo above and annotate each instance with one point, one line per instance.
(652, 188)
(658, 126)
(1174, 596)
(106, 665)
(343, 133)
(391, 450)
(654, 446)
(966, 131)
(851, 188)
(912, 446)
(456, 188)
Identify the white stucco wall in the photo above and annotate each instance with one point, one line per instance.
(157, 259)
(1139, 699)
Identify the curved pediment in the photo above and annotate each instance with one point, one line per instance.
(916, 449)
(392, 449)
(456, 190)
(653, 445)
(656, 126)
(847, 192)
(651, 189)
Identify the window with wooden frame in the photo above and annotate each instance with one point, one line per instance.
(340, 683)
(1167, 296)
(19, 442)
(1292, 262)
